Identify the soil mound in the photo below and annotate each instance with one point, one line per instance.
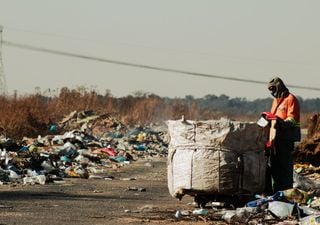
(308, 150)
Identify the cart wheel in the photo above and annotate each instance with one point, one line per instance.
(201, 201)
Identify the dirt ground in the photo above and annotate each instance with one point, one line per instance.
(100, 201)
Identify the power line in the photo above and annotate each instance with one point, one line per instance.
(207, 54)
(93, 58)
(103, 41)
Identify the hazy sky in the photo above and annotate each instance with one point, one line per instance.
(243, 39)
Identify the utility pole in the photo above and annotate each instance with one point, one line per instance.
(3, 83)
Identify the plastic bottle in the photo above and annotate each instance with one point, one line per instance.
(200, 212)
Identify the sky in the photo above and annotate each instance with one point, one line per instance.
(247, 39)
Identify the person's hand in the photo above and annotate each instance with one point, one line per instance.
(269, 116)
(268, 148)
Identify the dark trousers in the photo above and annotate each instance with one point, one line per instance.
(279, 176)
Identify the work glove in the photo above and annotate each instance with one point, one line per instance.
(268, 148)
(269, 116)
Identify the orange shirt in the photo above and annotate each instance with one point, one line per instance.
(287, 108)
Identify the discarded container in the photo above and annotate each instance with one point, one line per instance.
(280, 209)
(228, 215)
(262, 200)
(203, 212)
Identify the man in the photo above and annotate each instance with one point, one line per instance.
(286, 109)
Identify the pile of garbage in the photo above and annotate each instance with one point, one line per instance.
(309, 149)
(82, 145)
(227, 146)
(298, 205)
(291, 205)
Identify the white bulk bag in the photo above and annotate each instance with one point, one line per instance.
(215, 157)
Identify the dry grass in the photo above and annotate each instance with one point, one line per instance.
(31, 115)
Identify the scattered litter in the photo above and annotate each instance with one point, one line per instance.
(6, 207)
(200, 212)
(310, 220)
(140, 189)
(148, 164)
(178, 214)
(88, 145)
(128, 178)
(84, 145)
(280, 209)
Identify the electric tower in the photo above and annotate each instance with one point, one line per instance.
(3, 83)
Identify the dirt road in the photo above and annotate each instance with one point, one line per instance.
(138, 194)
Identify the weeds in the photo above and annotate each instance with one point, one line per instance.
(31, 115)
